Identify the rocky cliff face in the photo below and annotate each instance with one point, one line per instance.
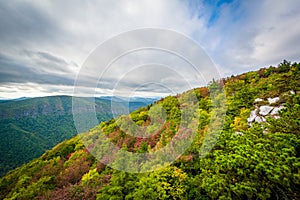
(264, 109)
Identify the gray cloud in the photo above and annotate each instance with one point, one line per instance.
(51, 58)
(46, 42)
(22, 23)
(48, 62)
(12, 71)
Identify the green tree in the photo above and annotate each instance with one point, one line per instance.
(121, 185)
(167, 183)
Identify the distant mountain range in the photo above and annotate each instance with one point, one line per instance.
(17, 99)
(30, 126)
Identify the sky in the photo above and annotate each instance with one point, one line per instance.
(45, 44)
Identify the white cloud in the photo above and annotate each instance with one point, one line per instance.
(16, 90)
(253, 34)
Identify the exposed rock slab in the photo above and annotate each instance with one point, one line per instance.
(265, 110)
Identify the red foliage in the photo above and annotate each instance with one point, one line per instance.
(100, 167)
(86, 150)
(139, 141)
(186, 158)
(204, 92)
(183, 134)
(73, 173)
(68, 156)
(72, 192)
(261, 72)
(115, 135)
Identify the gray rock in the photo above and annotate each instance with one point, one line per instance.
(252, 116)
(258, 100)
(276, 110)
(273, 100)
(260, 119)
(264, 110)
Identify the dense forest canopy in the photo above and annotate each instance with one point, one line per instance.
(30, 126)
(251, 159)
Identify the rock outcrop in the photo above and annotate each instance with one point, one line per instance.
(260, 113)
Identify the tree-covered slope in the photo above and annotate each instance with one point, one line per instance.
(28, 127)
(257, 160)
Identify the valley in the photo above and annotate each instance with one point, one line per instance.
(30, 126)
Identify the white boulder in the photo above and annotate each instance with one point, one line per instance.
(264, 110)
(273, 100)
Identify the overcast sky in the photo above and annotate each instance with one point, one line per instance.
(44, 44)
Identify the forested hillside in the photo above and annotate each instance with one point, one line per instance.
(28, 127)
(256, 155)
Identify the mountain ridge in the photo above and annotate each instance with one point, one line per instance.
(257, 161)
(48, 118)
